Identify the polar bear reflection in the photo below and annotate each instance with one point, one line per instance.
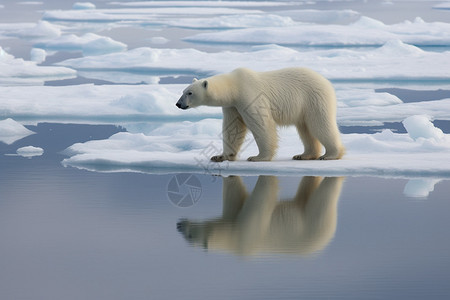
(259, 223)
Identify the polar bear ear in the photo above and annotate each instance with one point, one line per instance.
(205, 84)
(194, 80)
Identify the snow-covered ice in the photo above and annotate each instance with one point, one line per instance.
(16, 71)
(89, 44)
(188, 147)
(11, 131)
(259, 35)
(443, 5)
(30, 151)
(364, 32)
(394, 61)
(202, 3)
(83, 5)
(420, 127)
(420, 188)
(124, 104)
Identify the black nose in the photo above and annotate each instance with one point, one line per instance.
(178, 105)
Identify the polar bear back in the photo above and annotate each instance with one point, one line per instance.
(288, 93)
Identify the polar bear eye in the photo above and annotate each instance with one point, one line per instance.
(189, 93)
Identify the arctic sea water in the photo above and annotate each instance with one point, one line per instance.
(102, 196)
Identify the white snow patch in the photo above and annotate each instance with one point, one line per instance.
(38, 55)
(89, 44)
(124, 104)
(30, 151)
(202, 3)
(394, 61)
(16, 71)
(420, 126)
(11, 131)
(444, 5)
(189, 147)
(83, 5)
(232, 21)
(158, 40)
(42, 29)
(364, 32)
(321, 16)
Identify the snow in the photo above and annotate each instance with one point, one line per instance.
(173, 149)
(355, 52)
(89, 44)
(11, 131)
(321, 16)
(140, 14)
(124, 104)
(394, 61)
(38, 55)
(444, 5)
(231, 21)
(30, 151)
(201, 4)
(16, 71)
(420, 127)
(83, 5)
(364, 32)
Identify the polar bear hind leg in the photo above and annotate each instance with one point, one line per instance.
(310, 143)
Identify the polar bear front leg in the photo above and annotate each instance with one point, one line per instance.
(264, 130)
(233, 134)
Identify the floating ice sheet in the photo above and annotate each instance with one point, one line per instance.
(444, 5)
(30, 151)
(394, 61)
(364, 32)
(125, 104)
(16, 71)
(89, 44)
(187, 147)
(11, 131)
(201, 3)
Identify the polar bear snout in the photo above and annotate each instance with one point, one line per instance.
(182, 103)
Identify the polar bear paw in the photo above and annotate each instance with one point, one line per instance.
(304, 157)
(223, 157)
(259, 158)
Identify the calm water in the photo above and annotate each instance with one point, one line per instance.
(72, 234)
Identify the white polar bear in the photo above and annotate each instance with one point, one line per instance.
(260, 101)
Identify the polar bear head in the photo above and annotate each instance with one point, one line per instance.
(194, 95)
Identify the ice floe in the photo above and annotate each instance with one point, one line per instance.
(11, 131)
(16, 71)
(420, 127)
(395, 61)
(30, 151)
(89, 44)
(83, 5)
(420, 188)
(188, 146)
(201, 3)
(125, 104)
(364, 32)
(136, 14)
(444, 5)
(39, 30)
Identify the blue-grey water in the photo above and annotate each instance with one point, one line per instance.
(67, 233)
(72, 234)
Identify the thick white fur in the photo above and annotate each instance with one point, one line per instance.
(259, 101)
(258, 222)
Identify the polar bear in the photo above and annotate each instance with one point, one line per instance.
(257, 222)
(260, 101)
